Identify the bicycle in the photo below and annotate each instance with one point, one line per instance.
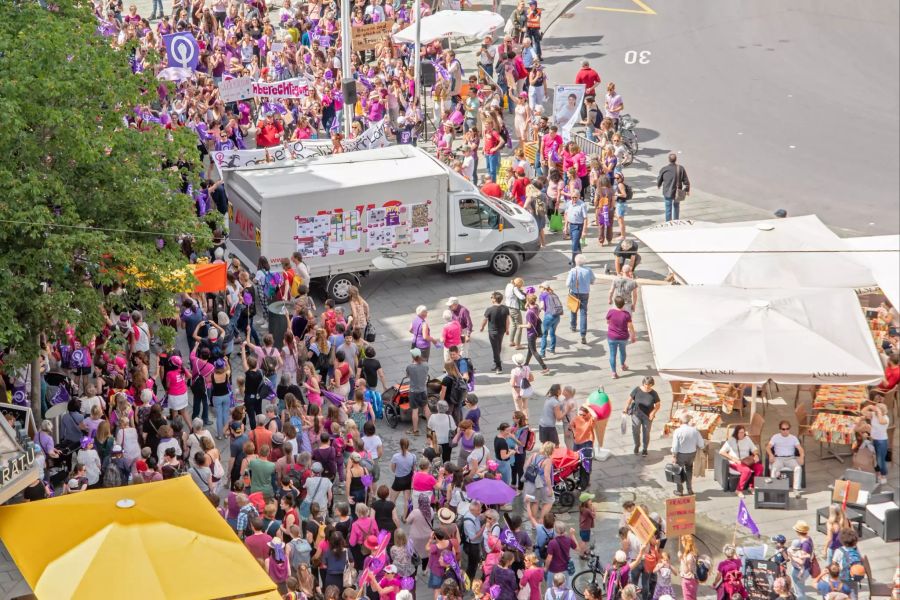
(594, 574)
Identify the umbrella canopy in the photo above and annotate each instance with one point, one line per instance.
(452, 23)
(795, 252)
(172, 541)
(490, 491)
(883, 260)
(809, 336)
(175, 74)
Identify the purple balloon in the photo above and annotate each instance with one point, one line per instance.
(376, 564)
(408, 583)
(495, 591)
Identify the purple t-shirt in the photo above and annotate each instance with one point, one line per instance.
(533, 319)
(617, 324)
(559, 547)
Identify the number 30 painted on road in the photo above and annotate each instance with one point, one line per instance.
(641, 58)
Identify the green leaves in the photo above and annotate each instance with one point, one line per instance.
(84, 198)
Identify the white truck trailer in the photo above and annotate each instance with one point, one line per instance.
(398, 206)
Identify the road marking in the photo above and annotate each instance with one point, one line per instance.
(645, 10)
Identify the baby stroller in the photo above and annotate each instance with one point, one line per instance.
(396, 401)
(566, 470)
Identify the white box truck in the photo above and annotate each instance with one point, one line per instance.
(398, 206)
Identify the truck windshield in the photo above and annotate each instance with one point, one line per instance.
(476, 214)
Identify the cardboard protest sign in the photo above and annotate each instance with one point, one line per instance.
(367, 37)
(642, 526)
(845, 491)
(681, 518)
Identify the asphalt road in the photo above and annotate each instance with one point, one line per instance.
(791, 105)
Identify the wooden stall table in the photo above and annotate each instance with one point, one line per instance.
(840, 398)
(706, 424)
(833, 428)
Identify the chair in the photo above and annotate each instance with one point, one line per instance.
(876, 589)
(724, 475)
(884, 519)
(804, 423)
(754, 429)
(789, 473)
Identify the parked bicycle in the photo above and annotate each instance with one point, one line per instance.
(593, 574)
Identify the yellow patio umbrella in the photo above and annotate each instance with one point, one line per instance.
(153, 540)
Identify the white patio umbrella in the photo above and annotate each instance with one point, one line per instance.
(796, 252)
(734, 335)
(452, 23)
(883, 259)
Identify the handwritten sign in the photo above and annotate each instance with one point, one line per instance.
(681, 516)
(368, 37)
(236, 88)
(642, 525)
(760, 576)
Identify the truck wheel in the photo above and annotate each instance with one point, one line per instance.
(338, 287)
(505, 262)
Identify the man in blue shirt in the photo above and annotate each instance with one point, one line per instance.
(579, 283)
(576, 221)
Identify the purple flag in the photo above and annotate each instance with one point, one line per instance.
(182, 50)
(744, 518)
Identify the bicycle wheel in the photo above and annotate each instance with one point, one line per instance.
(581, 581)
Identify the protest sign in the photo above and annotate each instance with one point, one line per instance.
(237, 88)
(279, 90)
(182, 50)
(681, 516)
(367, 37)
(642, 525)
(567, 101)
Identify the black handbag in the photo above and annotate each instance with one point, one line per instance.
(674, 473)
(369, 332)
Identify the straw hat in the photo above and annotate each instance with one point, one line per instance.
(801, 527)
(446, 516)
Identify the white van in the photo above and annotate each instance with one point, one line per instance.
(398, 205)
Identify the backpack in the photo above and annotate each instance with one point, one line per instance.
(535, 471)
(273, 285)
(265, 391)
(112, 476)
(470, 369)
(542, 540)
(298, 475)
(458, 392)
(374, 398)
(540, 206)
(629, 193)
(702, 570)
(852, 568)
(461, 526)
(529, 440)
(554, 305)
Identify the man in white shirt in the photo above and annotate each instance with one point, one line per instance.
(785, 452)
(686, 441)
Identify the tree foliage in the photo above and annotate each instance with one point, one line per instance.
(85, 199)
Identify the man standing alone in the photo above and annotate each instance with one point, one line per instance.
(686, 441)
(579, 283)
(496, 319)
(673, 180)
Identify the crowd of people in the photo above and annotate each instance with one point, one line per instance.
(283, 437)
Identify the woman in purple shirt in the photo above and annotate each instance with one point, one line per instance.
(533, 331)
(619, 329)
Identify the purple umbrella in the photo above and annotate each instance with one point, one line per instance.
(490, 491)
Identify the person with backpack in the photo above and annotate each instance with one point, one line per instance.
(849, 559)
(538, 487)
(553, 311)
(536, 204)
(729, 579)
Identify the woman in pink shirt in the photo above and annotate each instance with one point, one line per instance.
(177, 389)
(533, 576)
(579, 162)
(364, 526)
(423, 482)
(451, 334)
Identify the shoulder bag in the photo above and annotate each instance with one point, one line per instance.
(349, 572)
(573, 303)
(679, 192)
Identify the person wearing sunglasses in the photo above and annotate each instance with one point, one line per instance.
(785, 452)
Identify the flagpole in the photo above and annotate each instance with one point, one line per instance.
(417, 57)
(346, 49)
